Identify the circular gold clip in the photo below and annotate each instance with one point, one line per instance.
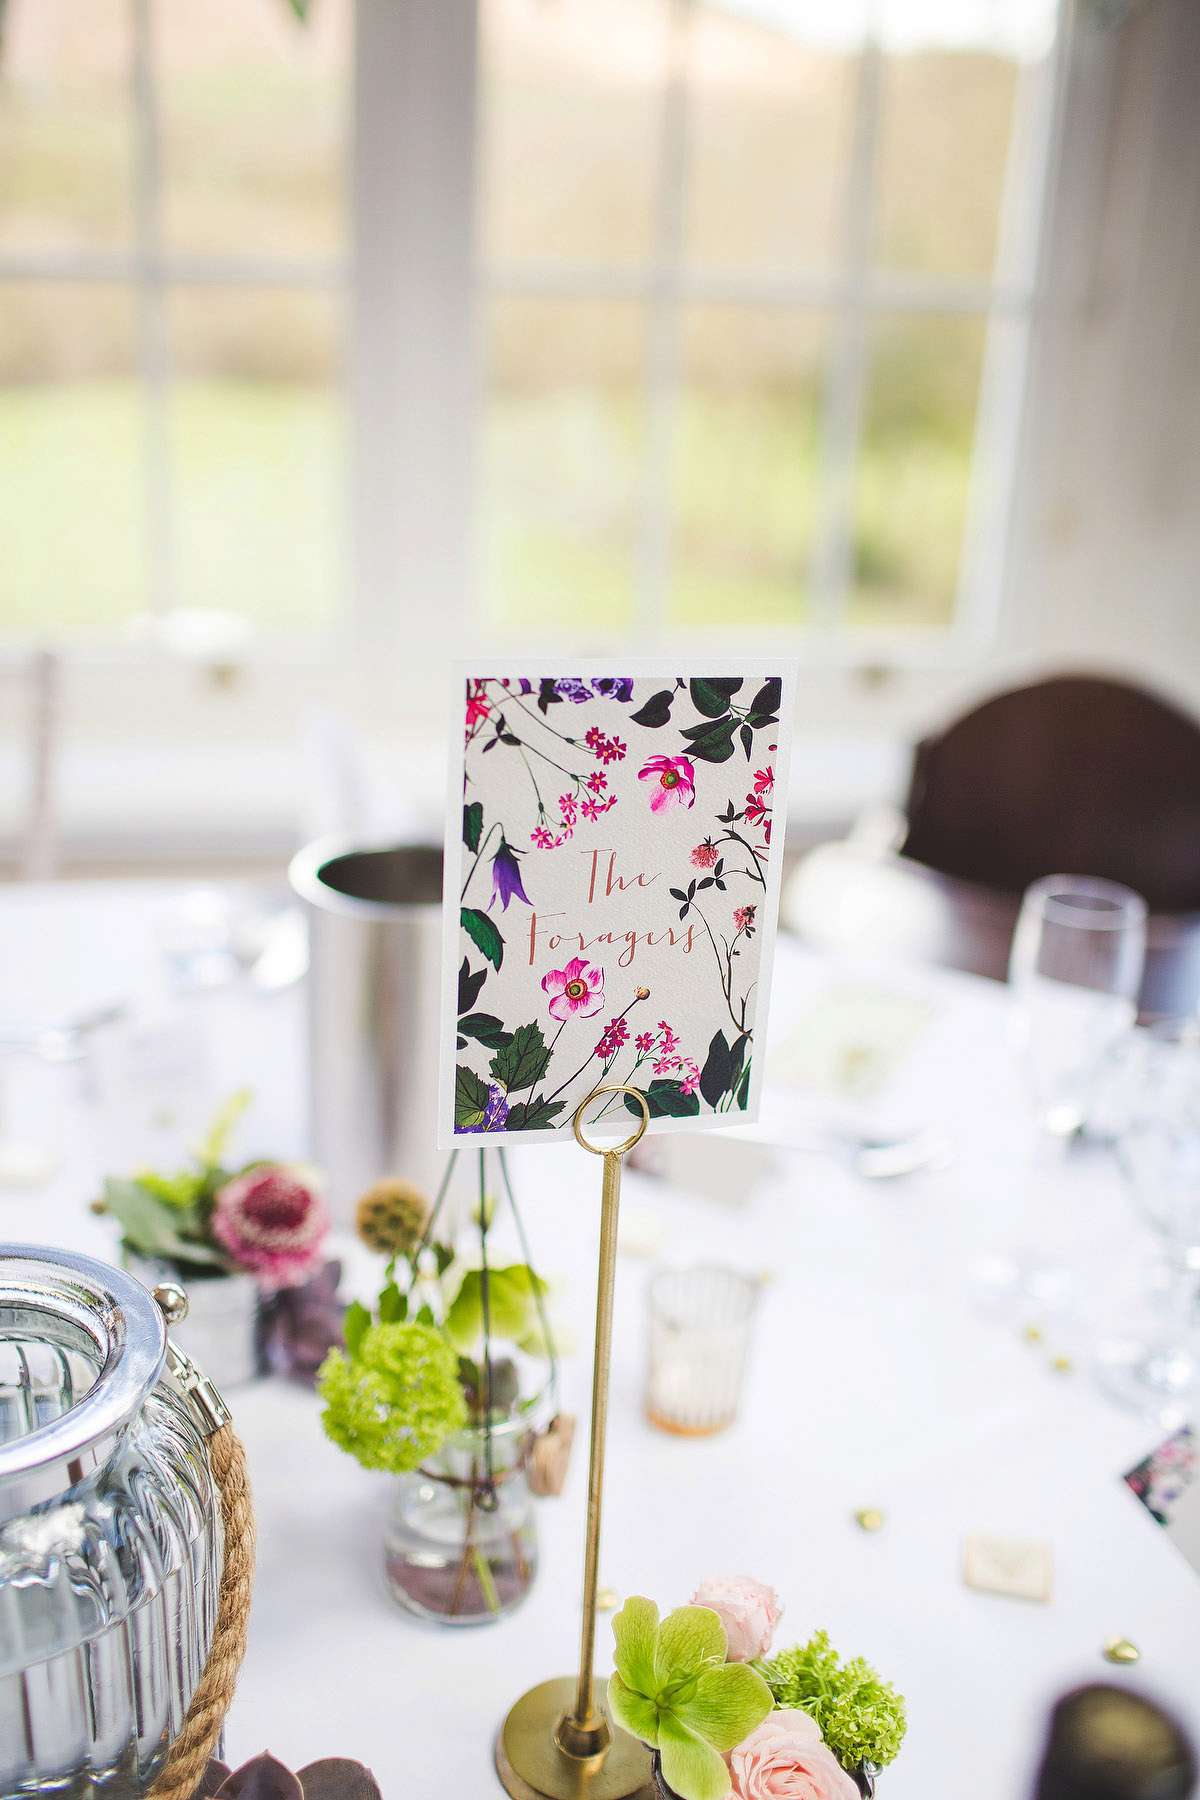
(611, 1149)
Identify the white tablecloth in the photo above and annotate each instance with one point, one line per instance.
(873, 1383)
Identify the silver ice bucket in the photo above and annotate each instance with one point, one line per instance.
(374, 996)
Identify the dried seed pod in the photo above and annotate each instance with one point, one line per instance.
(391, 1216)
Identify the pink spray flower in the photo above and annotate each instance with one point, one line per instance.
(673, 780)
(271, 1223)
(576, 990)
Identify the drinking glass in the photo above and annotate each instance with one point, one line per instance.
(1155, 1366)
(700, 1322)
(1074, 971)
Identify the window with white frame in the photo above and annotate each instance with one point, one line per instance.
(754, 286)
(173, 256)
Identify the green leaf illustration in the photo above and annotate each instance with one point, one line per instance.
(716, 1077)
(483, 934)
(470, 1098)
(712, 696)
(486, 1028)
(665, 1099)
(523, 1061)
(533, 1115)
(765, 703)
(712, 742)
(656, 711)
(469, 984)
(472, 824)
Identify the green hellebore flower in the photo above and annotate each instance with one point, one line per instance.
(675, 1691)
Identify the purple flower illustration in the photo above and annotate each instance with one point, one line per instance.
(506, 877)
(570, 687)
(495, 1113)
(615, 687)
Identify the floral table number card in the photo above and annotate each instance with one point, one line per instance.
(611, 892)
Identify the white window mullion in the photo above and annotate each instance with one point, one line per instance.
(1032, 162)
(153, 355)
(832, 563)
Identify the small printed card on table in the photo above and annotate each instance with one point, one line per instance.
(611, 891)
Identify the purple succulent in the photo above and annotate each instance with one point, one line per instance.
(614, 687)
(265, 1778)
(506, 877)
(298, 1326)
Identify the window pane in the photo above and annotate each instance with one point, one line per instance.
(66, 148)
(258, 457)
(911, 489)
(560, 461)
(745, 467)
(768, 132)
(254, 110)
(71, 457)
(570, 113)
(945, 123)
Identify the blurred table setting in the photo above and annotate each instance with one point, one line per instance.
(888, 1413)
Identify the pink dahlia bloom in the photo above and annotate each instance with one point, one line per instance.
(748, 1609)
(577, 990)
(673, 782)
(271, 1223)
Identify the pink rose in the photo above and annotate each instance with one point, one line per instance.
(747, 1609)
(786, 1758)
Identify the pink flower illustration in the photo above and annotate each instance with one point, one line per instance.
(478, 705)
(743, 918)
(614, 1035)
(605, 749)
(764, 782)
(673, 780)
(576, 990)
(597, 781)
(544, 839)
(644, 1041)
(755, 810)
(705, 855)
(271, 1223)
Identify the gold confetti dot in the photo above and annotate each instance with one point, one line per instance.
(606, 1600)
(1062, 1364)
(1032, 1334)
(869, 1518)
(1120, 1650)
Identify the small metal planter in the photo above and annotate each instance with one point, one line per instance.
(111, 1542)
(220, 1333)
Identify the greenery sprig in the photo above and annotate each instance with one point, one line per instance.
(861, 1717)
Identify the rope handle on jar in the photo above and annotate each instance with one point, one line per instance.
(188, 1756)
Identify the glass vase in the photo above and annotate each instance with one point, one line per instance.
(461, 1549)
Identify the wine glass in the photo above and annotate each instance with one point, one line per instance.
(1155, 1367)
(1074, 972)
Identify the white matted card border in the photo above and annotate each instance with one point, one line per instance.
(639, 668)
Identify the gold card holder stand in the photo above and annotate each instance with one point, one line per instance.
(558, 1742)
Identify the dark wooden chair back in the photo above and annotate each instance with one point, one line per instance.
(1075, 775)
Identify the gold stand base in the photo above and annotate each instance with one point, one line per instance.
(532, 1767)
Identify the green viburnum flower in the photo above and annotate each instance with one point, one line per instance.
(862, 1718)
(396, 1400)
(675, 1691)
